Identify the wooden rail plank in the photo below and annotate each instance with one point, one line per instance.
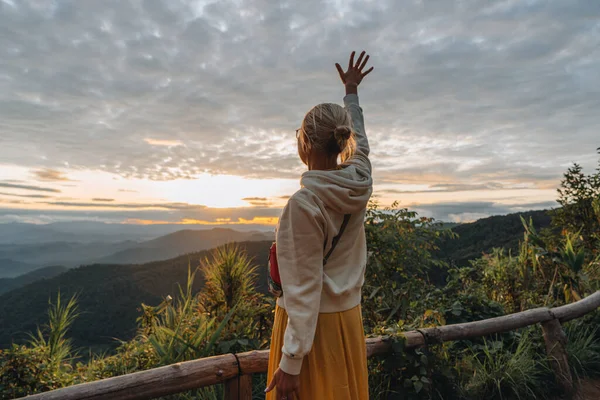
(174, 378)
(254, 362)
(578, 309)
(485, 327)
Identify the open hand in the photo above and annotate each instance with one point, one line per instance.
(355, 73)
(287, 385)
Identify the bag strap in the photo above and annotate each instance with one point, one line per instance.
(336, 239)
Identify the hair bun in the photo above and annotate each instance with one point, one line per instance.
(342, 132)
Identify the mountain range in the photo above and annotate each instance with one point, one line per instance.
(22, 256)
(95, 231)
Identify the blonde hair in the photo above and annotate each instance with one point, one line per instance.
(328, 128)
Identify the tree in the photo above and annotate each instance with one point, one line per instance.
(579, 196)
(45, 364)
(400, 245)
(229, 280)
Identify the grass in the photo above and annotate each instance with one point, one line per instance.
(500, 374)
(583, 349)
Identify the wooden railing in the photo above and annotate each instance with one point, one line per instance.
(235, 370)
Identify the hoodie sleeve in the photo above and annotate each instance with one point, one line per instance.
(361, 157)
(300, 240)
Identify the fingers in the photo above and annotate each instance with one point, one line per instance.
(341, 72)
(367, 72)
(360, 58)
(364, 63)
(271, 385)
(351, 63)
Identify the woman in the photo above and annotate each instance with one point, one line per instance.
(317, 346)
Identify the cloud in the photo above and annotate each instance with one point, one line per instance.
(133, 213)
(108, 203)
(50, 175)
(163, 142)
(258, 201)
(28, 187)
(456, 187)
(474, 89)
(473, 210)
(28, 196)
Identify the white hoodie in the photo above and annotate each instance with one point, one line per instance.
(311, 219)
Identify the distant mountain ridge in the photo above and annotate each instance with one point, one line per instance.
(17, 259)
(94, 231)
(181, 242)
(69, 254)
(10, 268)
(8, 284)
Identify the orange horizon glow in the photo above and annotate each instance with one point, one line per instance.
(268, 221)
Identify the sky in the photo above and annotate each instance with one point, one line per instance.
(185, 111)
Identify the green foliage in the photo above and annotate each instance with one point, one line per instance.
(579, 196)
(25, 370)
(402, 374)
(583, 350)
(178, 332)
(46, 363)
(496, 372)
(561, 265)
(480, 237)
(543, 272)
(131, 356)
(208, 393)
(400, 246)
(60, 318)
(230, 279)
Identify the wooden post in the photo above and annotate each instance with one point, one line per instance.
(556, 341)
(239, 388)
(246, 387)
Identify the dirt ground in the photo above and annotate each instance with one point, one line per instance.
(588, 390)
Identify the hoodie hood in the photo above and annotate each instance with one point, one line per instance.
(346, 190)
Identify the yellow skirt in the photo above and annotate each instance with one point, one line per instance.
(336, 367)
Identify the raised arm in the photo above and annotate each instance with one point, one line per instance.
(351, 79)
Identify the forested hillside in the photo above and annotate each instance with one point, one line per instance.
(483, 235)
(109, 296)
(8, 284)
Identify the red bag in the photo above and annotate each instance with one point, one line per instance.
(274, 278)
